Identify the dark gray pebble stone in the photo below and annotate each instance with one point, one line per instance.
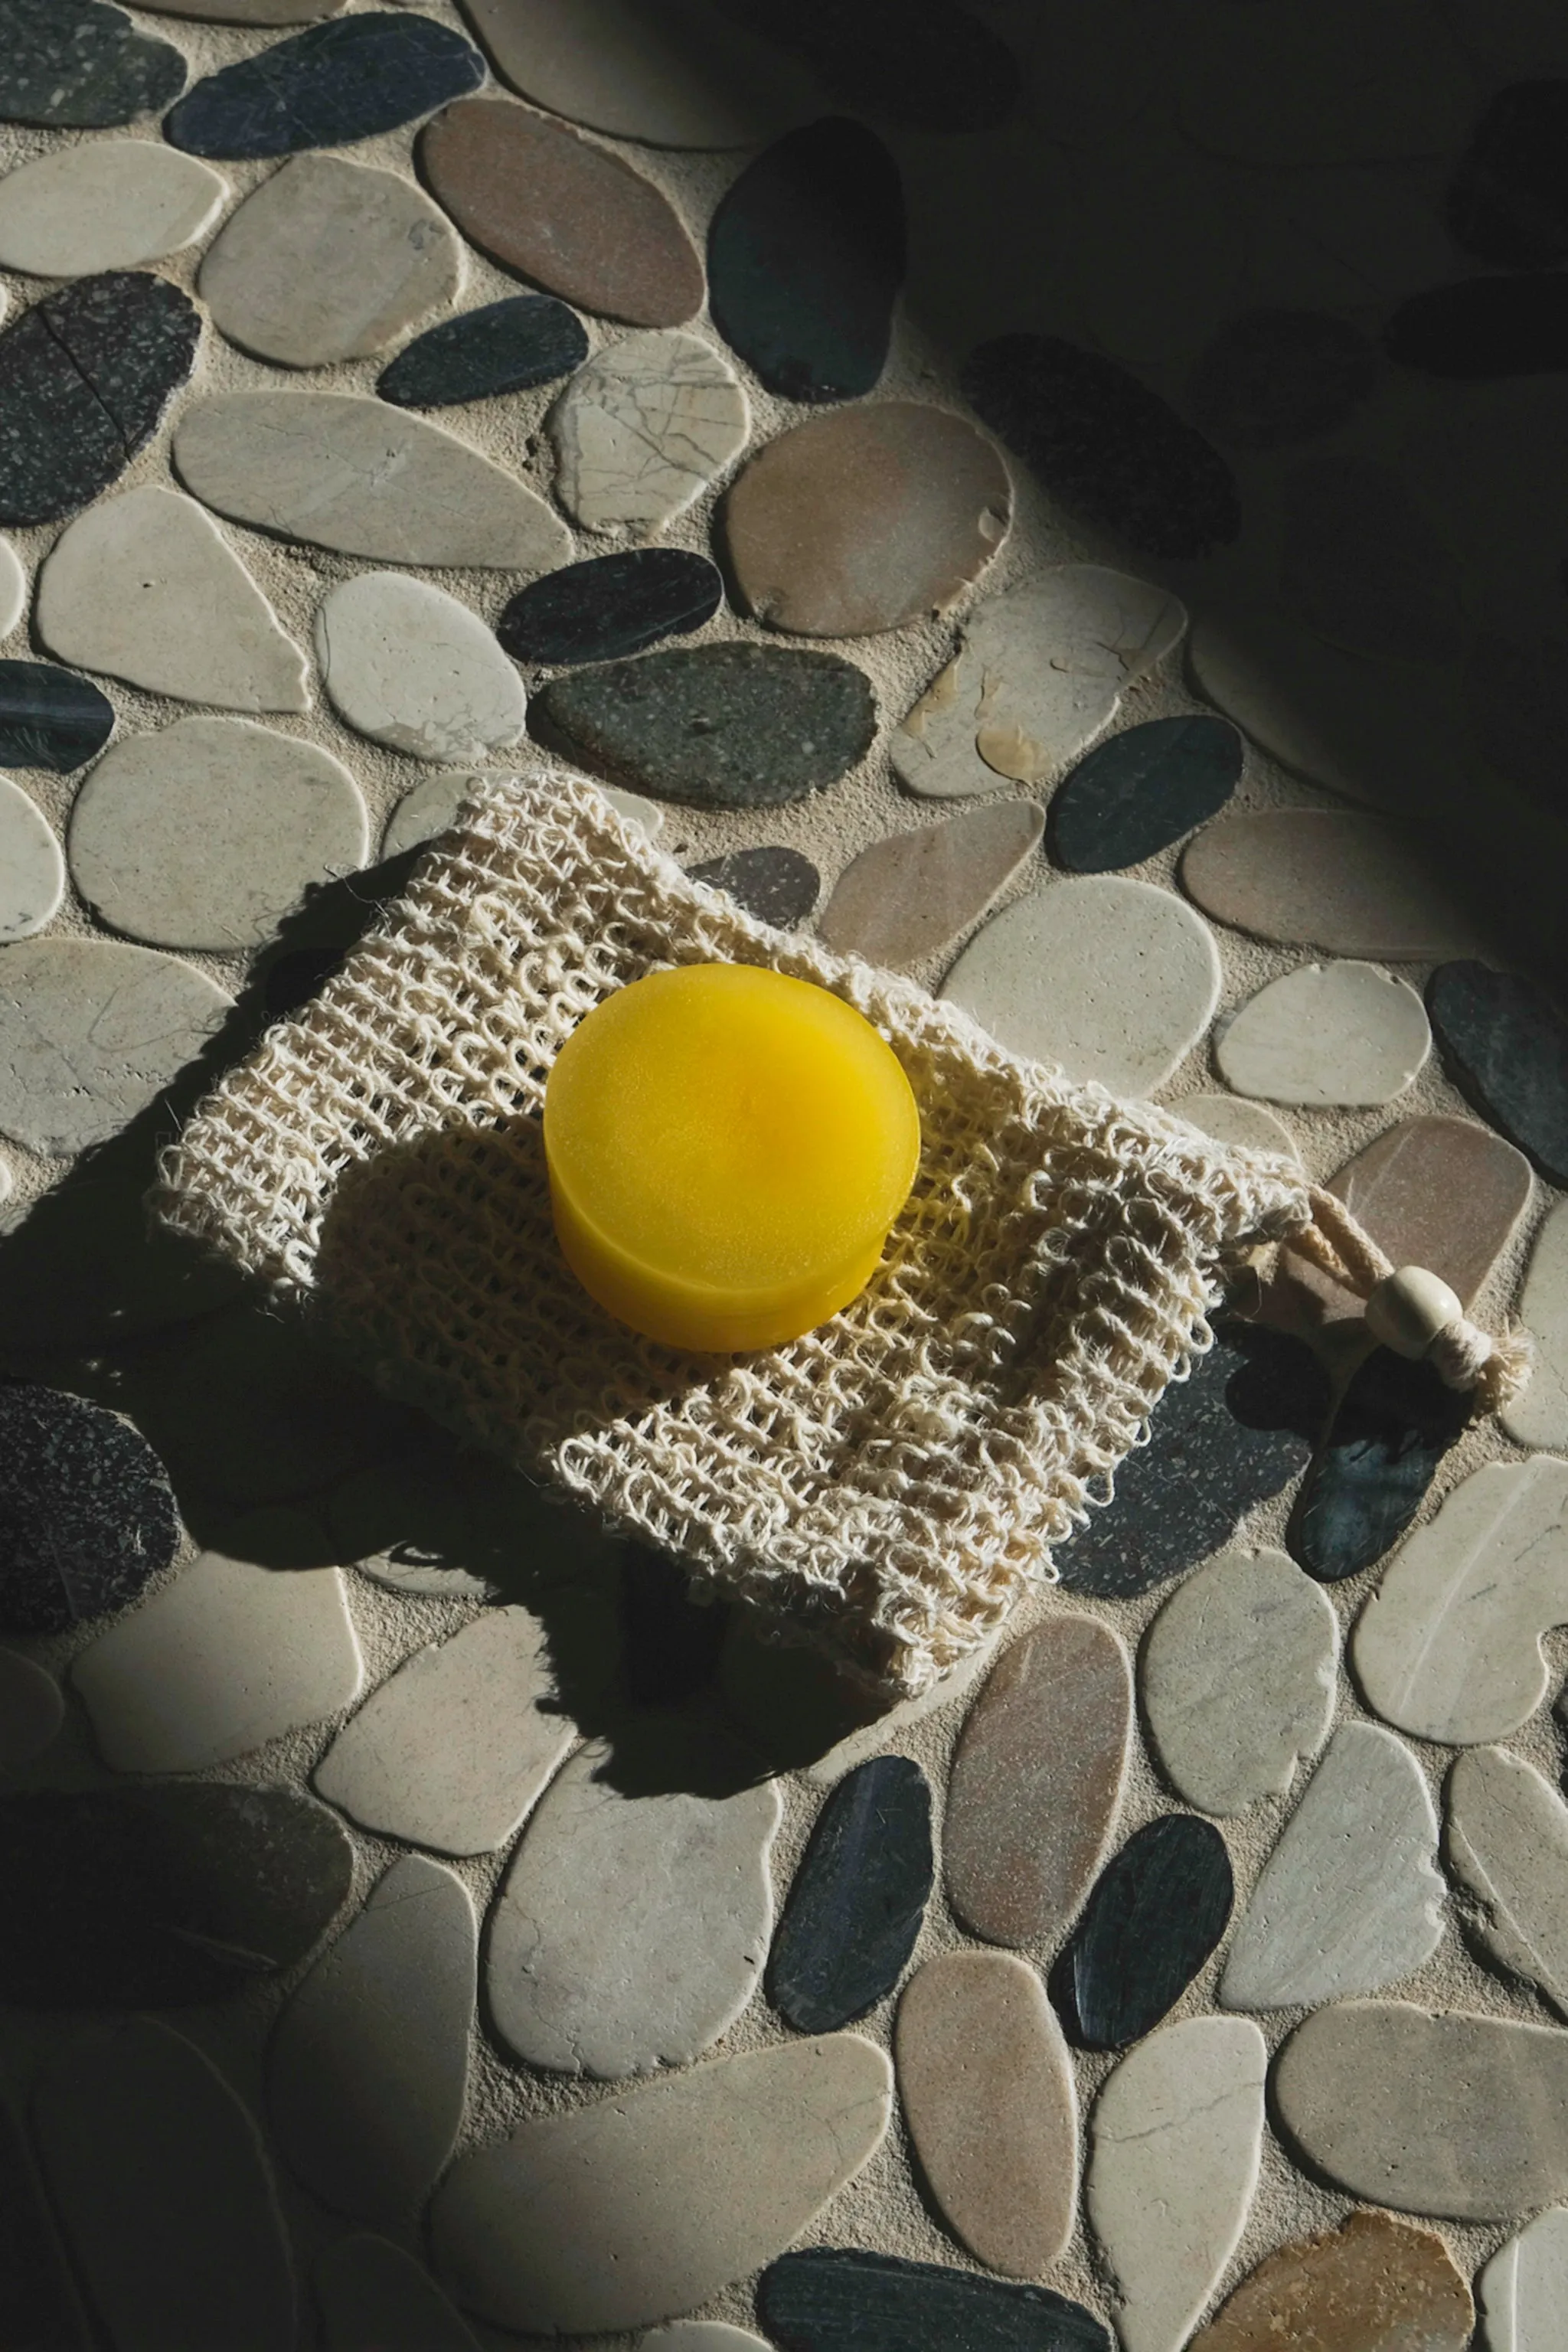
(49, 718)
(1273, 377)
(854, 1910)
(1155, 1913)
(1506, 1048)
(610, 605)
(1140, 791)
(77, 64)
(832, 2299)
(331, 84)
(87, 1513)
(505, 346)
(778, 886)
(1394, 1425)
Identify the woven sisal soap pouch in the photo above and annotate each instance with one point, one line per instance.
(894, 1481)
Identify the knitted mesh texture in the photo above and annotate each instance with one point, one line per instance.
(893, 1482)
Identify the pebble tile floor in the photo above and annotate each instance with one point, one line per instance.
(1070, 502)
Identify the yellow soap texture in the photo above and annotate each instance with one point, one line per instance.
(728, 1150)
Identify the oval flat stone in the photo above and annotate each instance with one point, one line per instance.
(649, 2203)
(225, 1658)
(505, 346)
(31, 1710)
(32, 871)
(1106, 447)
(1237, 1679)
(1340, 1033)
(1142, 789)
(1391, 1429)
(825, 2299)
(86, 1511)
(1508, 1050)
(1037, 1780)
(1230, 1120)
(395, 1767)
(1540, 1417)
(1404, 2107)
(1484, 327)
(574, 217)
(1363, 566)
(371, 2293)
(49, 718)
(1350, 1899)
(778, 886)
(408, 665)
(912, 895)
(1449, 1644)
(339, 471)
(806, 258)
(1175, 2142)
(1113, 982)
(105, 206)
(1523, 2289)
(364, 2110)
(1272, 377)
(987, 2090)
(610, 605)
(1507, 1844)
(148, 1898)
(85, 377)
(146, 588)
(1156, 1913)
(1371, 2281)
(1328, 878)
(164, 2193)
(91, 1033)
(723, 725)
(1508, 200)
(76, 63)
(1039, 673)
(854, 1912)
(206, 835)
(329, 85)
(859, 521)
(630, 1930)
(644, 428)
(328, 260)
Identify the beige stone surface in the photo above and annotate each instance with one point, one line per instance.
(865, 518)
(1175, 2141)
(1460, 2116)
(1523, 2289)
(912, 893)
(1327, 878)
(644, 427)
(32, 871)
(406, 664)
(1237, 1679)
(1448, 1646)
(987, 2089)
(1540, 1417)
(1040, 671)
(145, 587)
(1110, 982)
(329, 260)
(645, 2204)
(1229, 1119)
(1508, 1843)
(107, 204)
(1372, 2286)
(1339, 1033)
(339, 470)
(1037, 1780)
(90, 1032)
(31, 1709)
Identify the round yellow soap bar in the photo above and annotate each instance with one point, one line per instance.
(728, 1150)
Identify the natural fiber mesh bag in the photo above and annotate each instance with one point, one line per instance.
(895, 1480)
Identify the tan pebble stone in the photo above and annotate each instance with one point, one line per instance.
(1229, 1119)
(146, 587)
(105, 205)
(1175, 2142)
(1328, 878)
(1459, 2116)
(32, 871)
(1449, 1647)
(90, 1032)
(1343, 1034)
(408, 665)
(1037, 1780)
(1237, 1678)
(1540, 1417)
(574, 217)
(644, 427)
(865, 519)
(913, 894)
(1524, 2288)
(328, 260)
(1370, 2285)
(643, 2204)
(987, 2090)
(1508, 1841)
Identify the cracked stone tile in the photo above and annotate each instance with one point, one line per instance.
(1342, 1033)
(643, 429)
(107, 206)
(1540, 1417)
(1523, 2289)
(32, 871)
(90, 1032)
(406, 664)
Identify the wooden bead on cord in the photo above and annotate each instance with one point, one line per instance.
(1408, 1309)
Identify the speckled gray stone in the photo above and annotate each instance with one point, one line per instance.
(73, 63)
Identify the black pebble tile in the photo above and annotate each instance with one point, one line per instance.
(777, 886)
(827, 2299)
(328, 86)
(1238, 1431)
(610, 605)
(153, 1898)
(1393, 1425)
(926, 65)
(854, 1910)
(85, 376)
(1483, 328)
(1274, 377)
(77, 64)
(87, 1513)
(50, 717)
(1506, 1048)
(1142, 790)
(505, 346)
(1156, 1913)
(805, 254)
(1110, 450)
(1508, 201)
